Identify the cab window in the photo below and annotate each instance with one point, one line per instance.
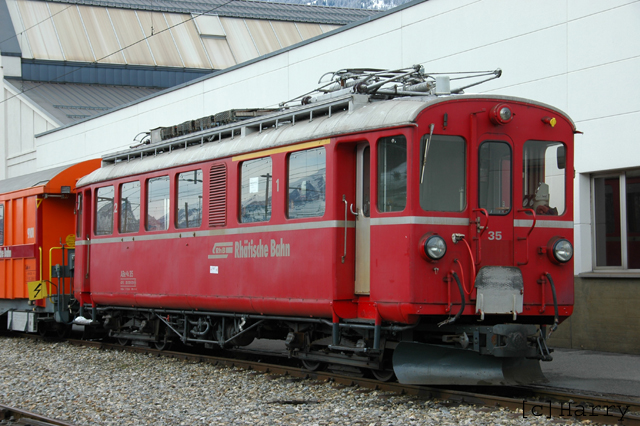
(392, 174)
(443, 176)
(129, 207)
(255, 190)
(79, 215)
(158, 204)
(495, 177)
(543, 187)
(306, 177)
(189, 208)
(104, 210)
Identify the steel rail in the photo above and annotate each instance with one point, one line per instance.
(34, 419)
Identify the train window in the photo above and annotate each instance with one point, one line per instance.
(392, 174)
(79, 215)
(495, 177)
(443, 186)
(129, 207)
(544, 169)
(158, 204)
(189, 208)
(2, 225)
(104, 210)
(255, 191)
(306, 179)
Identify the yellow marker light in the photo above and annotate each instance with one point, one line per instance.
(551, 121)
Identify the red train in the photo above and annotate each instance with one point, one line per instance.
(389, 224)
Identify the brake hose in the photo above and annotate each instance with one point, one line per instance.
(452, 320)
(556, 319)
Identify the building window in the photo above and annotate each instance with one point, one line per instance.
(104, 210)
(616, 211)
(392, 174)
(255, 191)
(189, 206)
(129, 207)
(443, 176)
(307, 175)
(158, 204)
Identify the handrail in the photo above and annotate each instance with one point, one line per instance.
(526, 239)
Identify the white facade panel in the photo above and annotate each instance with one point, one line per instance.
(603, 37)
(581, 8)
(609, 143)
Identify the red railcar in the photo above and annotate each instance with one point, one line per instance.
(427, 235)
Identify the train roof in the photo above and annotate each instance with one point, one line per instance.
(352, 113)
(56, 180)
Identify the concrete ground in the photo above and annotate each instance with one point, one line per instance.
(594, 372)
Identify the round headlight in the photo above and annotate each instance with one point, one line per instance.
(435, 247)
(505, 114)
(562, 250)
(501, 114)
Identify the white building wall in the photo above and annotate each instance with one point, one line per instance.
(580, 56)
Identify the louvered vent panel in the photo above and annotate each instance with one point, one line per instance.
(218, 195)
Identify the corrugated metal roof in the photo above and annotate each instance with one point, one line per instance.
(29, 181)
(240, 9)
(68, 103)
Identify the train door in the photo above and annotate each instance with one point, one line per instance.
(363, 214)
(495, 208)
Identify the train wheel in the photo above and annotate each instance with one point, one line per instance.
(62, 331)
(164, 344)
(312, 365)
(383, 375)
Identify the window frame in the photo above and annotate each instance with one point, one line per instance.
(624, 263)
(240, 193)
(120, 185)
(176, 207)
(380, 142)
(147, 181)
(95, 210)
(288, 182)
(511, 176)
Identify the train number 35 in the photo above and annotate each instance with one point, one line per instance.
(495, 235)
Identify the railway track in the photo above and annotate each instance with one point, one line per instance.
(532, 402)
(16, 416)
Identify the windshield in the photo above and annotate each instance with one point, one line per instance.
(544, 177)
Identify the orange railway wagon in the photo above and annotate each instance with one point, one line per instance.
(36, 220)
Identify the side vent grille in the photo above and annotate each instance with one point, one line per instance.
(218, 195)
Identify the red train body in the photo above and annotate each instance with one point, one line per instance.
(427, 235)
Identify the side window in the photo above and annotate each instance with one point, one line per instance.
(1, 224)
(189, 208)
(255, 190)
(495, 177)
(306, 177)
(104, 210)
(158, 204)
(129, 207)
(543, 187)
(443, 179)
(79, 215)
(392, 174)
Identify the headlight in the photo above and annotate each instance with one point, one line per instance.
(562, 251)
(501, 114)
(433, 247)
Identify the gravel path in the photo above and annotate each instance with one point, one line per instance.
(87, 386)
